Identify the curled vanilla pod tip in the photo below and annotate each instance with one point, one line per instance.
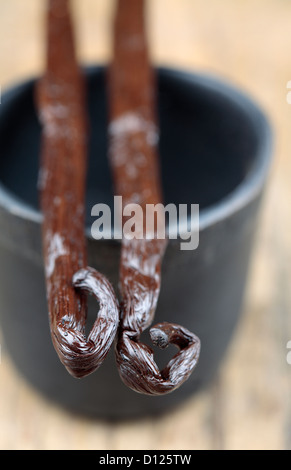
(133, 132)
(138, 368)
(140, 286)
(80, 354)
(60, 98)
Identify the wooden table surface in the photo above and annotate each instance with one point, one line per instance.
(248, 406)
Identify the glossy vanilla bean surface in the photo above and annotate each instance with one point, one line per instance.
(62, 180)
(134, 134)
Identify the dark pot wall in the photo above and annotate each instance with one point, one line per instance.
(215, 151)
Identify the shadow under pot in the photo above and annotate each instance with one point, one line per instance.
(215, 148)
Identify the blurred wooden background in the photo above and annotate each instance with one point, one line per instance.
(248, 406)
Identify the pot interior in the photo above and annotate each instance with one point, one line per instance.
(207, 143)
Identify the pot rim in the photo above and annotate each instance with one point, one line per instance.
(247, 190)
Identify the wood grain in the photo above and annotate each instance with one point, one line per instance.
(248, 406)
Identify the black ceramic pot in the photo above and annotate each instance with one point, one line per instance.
(215, 151)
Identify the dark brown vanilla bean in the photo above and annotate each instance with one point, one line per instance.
(134, 159)
(61, 103)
